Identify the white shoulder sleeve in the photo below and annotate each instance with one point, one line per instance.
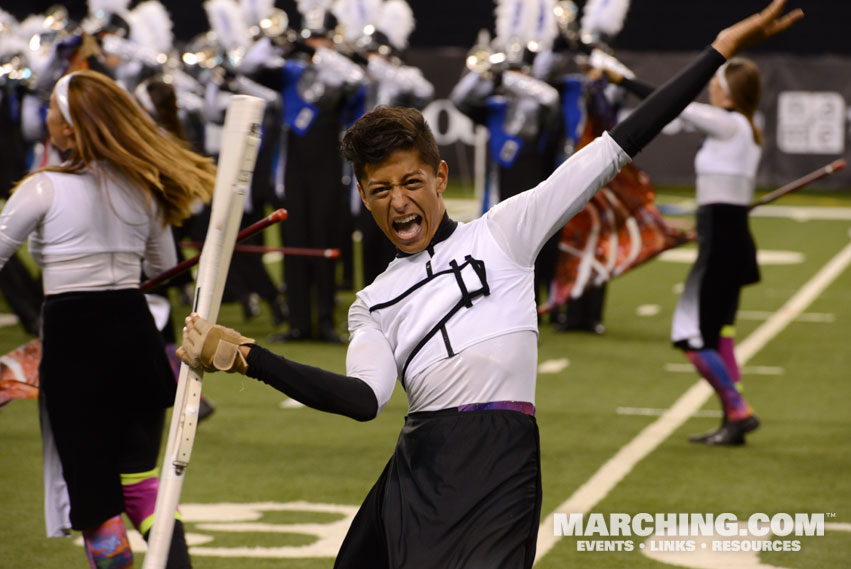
(370, 357)
(23, 212)
(523, 223)
(711, 121)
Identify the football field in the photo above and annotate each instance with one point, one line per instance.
(274, 484)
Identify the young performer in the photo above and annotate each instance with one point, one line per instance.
(453, 318)
(726, 167)
(92, 222)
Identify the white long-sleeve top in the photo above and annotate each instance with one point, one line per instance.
(483, 351)
(88, 231)
(727, 162)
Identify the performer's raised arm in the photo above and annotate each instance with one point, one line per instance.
(523, 224)
(666, 103)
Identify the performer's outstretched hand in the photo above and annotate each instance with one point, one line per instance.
(755, 29)
(212, 347)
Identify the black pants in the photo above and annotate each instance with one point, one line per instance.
(313, 190)
(462, 490)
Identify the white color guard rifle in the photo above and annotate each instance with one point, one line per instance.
(240, 143)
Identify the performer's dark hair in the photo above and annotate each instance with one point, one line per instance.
(382, 131)
(164, 98)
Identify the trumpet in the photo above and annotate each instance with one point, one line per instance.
(275, 24)
(201, 53)
(16, 69)
(567, 20)
(482, 58)
(56, 19)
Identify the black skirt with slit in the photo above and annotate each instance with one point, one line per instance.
(462, 490)
(106, 382)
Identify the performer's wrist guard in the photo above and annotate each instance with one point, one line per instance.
(220, 351)
(214, 348)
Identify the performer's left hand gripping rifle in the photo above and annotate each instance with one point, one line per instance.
(240, 143)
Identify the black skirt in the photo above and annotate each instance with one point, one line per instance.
(725, 246)
(462, 490)
(106, 382)
(726, 261)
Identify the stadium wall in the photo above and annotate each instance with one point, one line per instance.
(805, 114)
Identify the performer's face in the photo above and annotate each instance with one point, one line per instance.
(60, 132)
(404, 195)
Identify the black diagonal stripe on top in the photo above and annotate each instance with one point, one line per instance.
(431, 276)
(437, 327)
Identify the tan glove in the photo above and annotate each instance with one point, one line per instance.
(213, 347)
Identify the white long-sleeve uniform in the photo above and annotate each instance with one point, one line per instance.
(88, 231)
(473, 350)
(727, 162)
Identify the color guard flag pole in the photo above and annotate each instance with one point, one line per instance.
(828, 169)
(272, 218)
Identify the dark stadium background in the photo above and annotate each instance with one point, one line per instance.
(676, 25)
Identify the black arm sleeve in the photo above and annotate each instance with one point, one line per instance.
(312, 386)
(665, 104)
(637, 88)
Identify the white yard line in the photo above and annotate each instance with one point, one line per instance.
(612, 472)
(820, 317)
(799, 213)
(745, 370)
(8, 320)
(553, 366)
(649, 411)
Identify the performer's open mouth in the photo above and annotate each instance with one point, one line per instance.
(408, 227)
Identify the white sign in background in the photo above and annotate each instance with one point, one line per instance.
(811, 122)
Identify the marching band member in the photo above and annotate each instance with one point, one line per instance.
(318, 86)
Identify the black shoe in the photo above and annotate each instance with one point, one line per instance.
(293, 335)
(178, 552)
(733, 432)
(705, 436)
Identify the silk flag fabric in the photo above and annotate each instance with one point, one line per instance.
(619, 229)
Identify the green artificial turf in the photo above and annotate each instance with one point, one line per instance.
(253, 451)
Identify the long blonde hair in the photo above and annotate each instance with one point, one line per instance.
(110, 126)
(742, 77)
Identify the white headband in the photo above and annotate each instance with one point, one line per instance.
(61, 93)
(721, 74)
